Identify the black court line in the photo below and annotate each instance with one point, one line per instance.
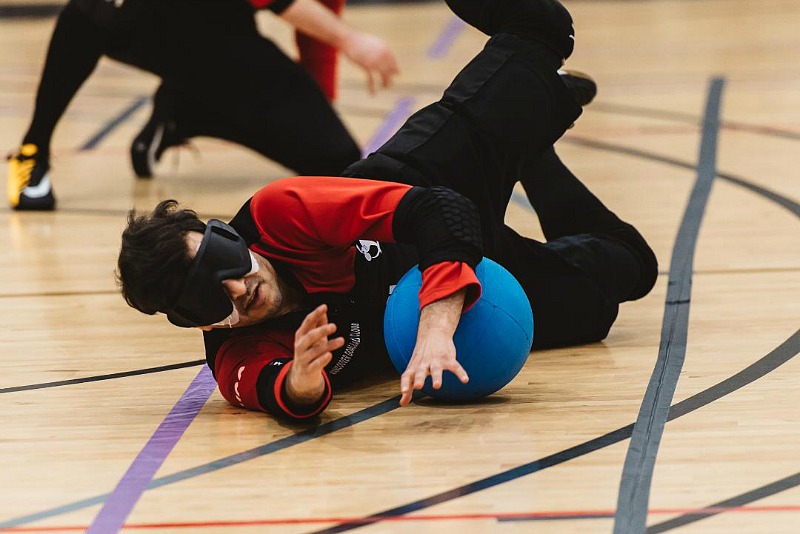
(111, 125)
(783, 353)
(637, 473)
(734, 502)
(98, 378)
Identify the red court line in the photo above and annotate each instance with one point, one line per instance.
(544, 516)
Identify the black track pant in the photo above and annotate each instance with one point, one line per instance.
(494, 126)
(223, 78)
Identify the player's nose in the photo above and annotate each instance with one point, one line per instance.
(235, 287)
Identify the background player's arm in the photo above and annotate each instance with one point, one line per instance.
(368, 51)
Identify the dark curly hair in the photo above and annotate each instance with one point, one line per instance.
(154, 259)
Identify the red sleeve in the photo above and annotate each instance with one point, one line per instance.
(443, 279)
(244, 363)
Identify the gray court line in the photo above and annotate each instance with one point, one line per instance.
(637, 473)
(111, 125)
(734, 502)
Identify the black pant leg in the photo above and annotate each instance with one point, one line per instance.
(567, 208)
(563, 204)
(74, 50)
(544, 21)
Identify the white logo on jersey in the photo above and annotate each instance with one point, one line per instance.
(370, 249)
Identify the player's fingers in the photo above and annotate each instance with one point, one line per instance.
(334, 344)
(386, 79)
(405, 388)
(436, 376)
(459, 371)
(419, 377)
(318, 363)
(315, 337)
(316, 318)
(370, 82)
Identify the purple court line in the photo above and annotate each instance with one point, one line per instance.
(134, 482)
(446, 38)
(399, 113)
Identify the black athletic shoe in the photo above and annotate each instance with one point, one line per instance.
(159, 134)
(581, 85)
(28, 183)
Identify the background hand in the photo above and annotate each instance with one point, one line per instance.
(372, 54)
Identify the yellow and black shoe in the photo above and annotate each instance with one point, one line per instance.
(581, 85)
(28, 180)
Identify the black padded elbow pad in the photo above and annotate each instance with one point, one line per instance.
(443, 224)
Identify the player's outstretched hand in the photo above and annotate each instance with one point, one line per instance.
(434, 352)
(312, 352)
(372, 54)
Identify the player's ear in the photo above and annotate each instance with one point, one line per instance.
(205, 328)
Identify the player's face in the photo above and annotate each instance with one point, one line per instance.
(256, 296)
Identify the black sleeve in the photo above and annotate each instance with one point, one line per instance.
(444, 225)
(269, 391)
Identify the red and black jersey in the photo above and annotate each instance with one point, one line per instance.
(345, 242)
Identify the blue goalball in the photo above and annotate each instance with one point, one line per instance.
(493, 338)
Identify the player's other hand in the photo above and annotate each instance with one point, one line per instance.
(312, 352)
(372, 54)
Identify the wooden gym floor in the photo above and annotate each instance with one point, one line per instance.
(694, 138)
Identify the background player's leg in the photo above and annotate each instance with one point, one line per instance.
(228, 81)
(564, 205)
(75, 48)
